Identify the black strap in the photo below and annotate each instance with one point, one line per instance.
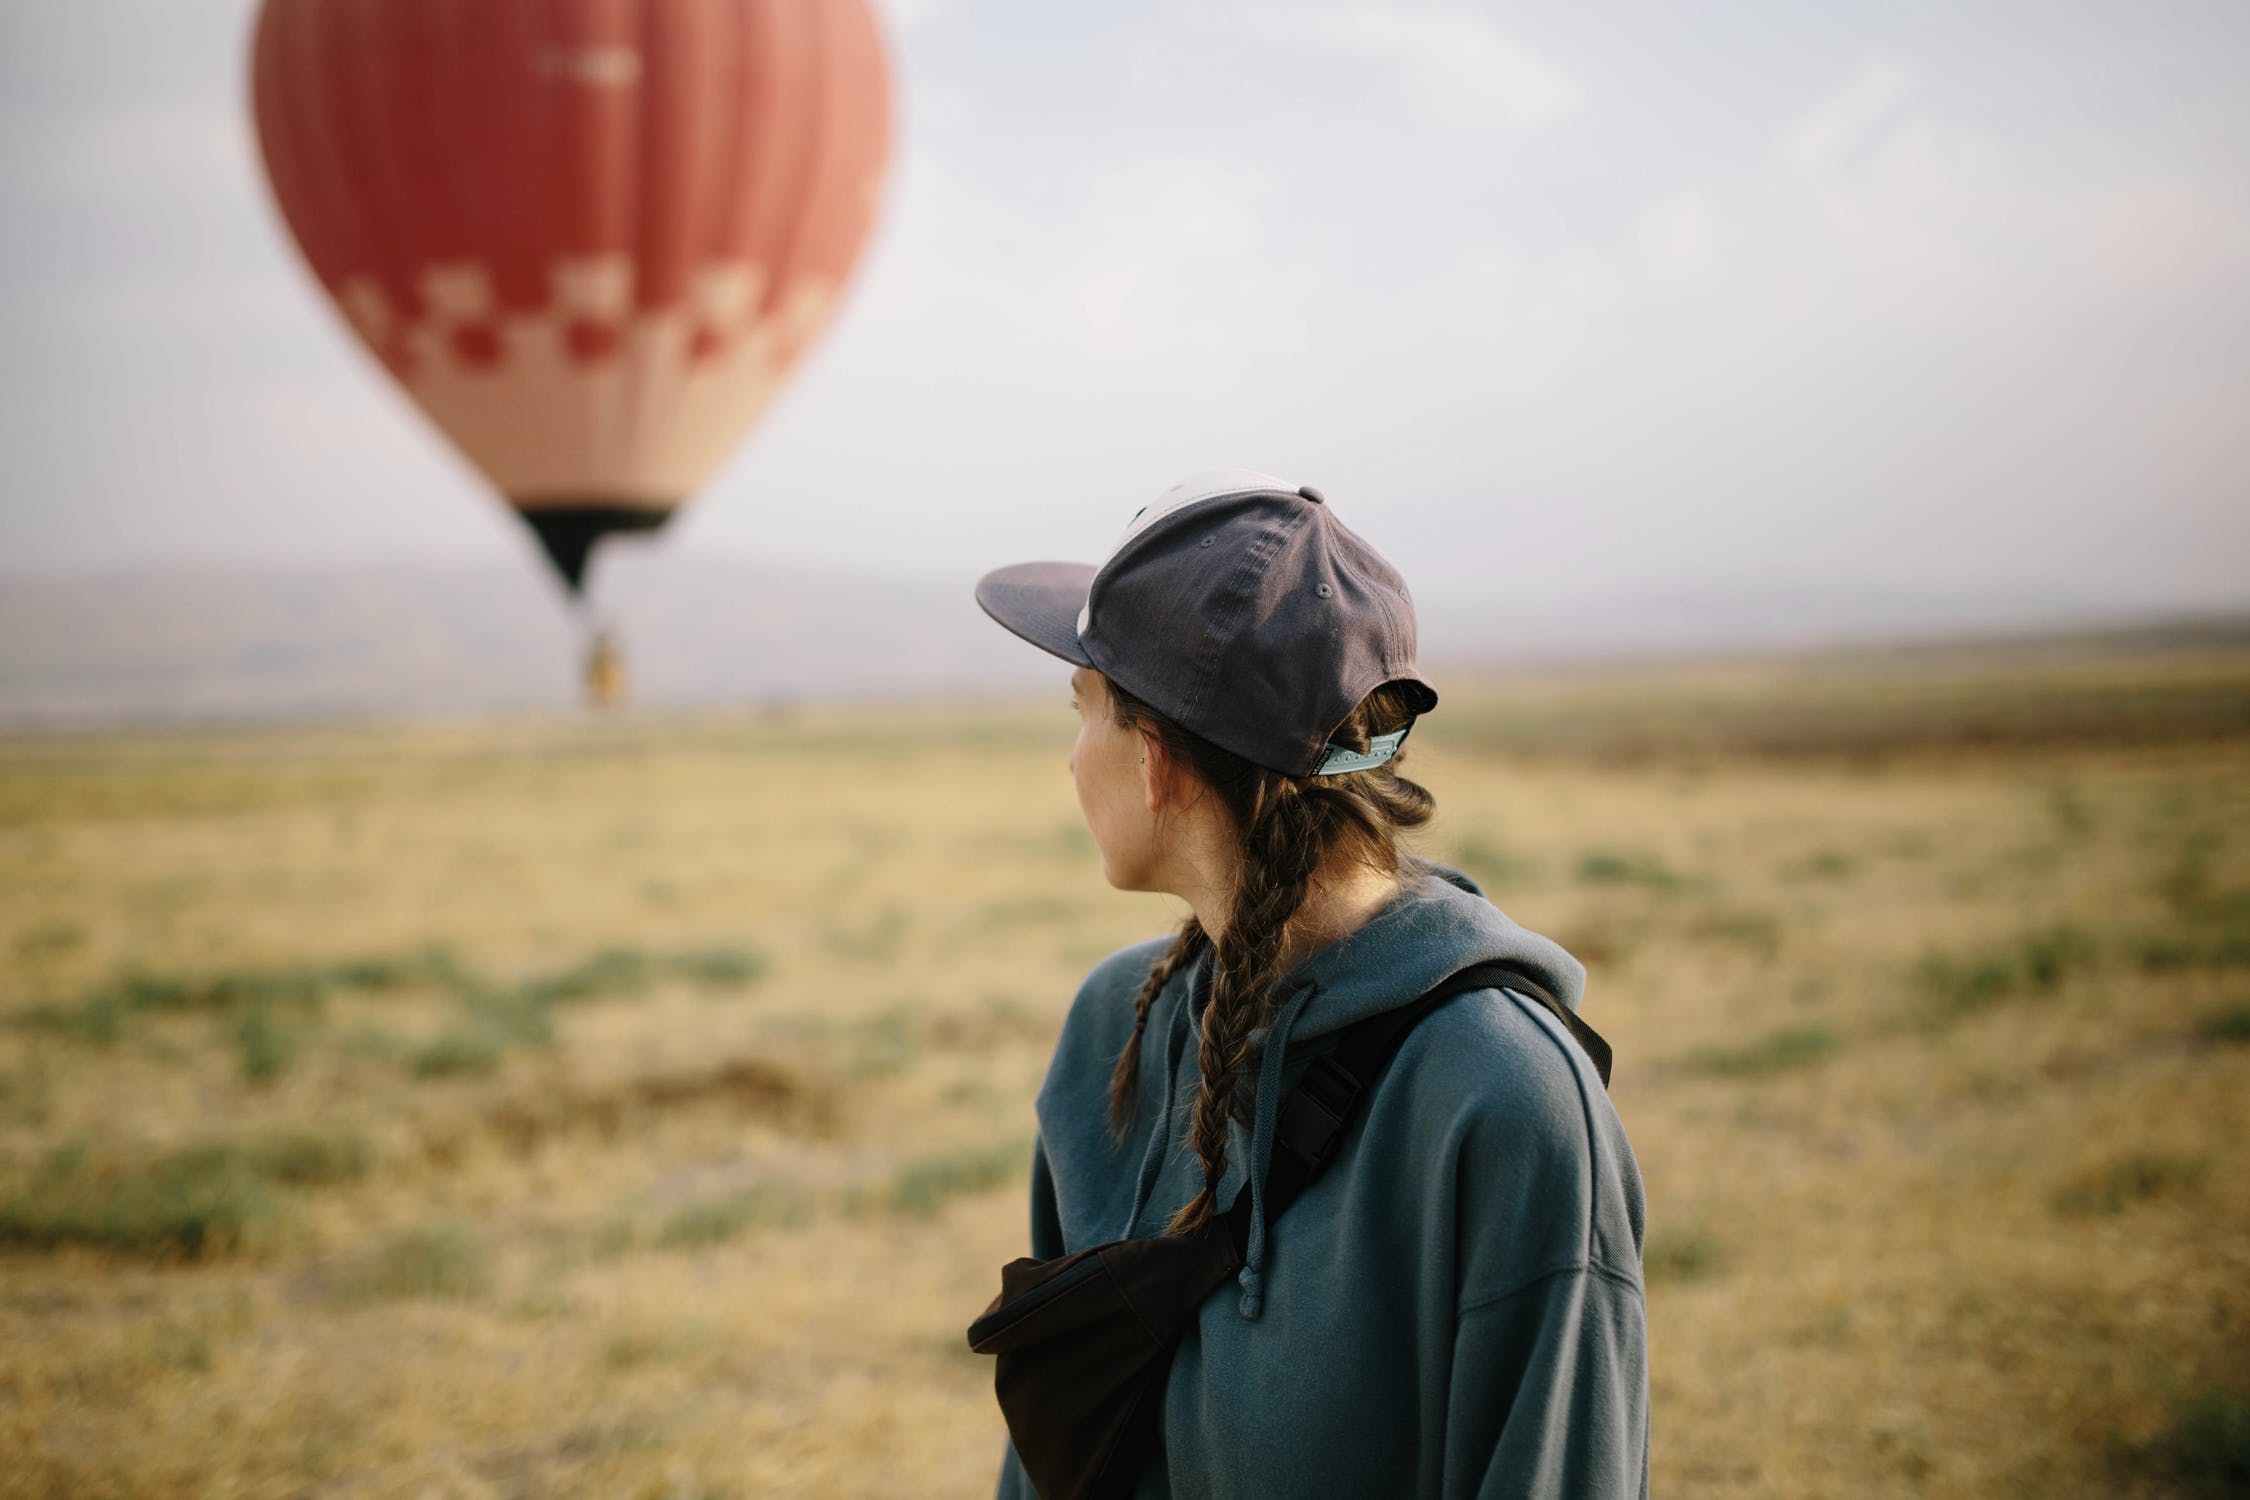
(1317, 1112)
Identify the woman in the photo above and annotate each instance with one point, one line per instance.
(1454, 1306)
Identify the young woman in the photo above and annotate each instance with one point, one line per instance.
(1454, 1306)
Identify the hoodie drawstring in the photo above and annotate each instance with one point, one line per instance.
(1271, 1055)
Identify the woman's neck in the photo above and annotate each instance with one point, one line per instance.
(1333, 908)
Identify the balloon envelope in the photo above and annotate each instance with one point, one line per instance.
(589, 237)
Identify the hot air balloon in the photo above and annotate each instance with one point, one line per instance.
(589, 237)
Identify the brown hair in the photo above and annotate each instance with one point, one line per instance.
(1290, 828)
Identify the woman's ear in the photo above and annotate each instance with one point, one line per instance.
(1156, 773)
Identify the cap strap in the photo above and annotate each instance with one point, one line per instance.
(1380, 748)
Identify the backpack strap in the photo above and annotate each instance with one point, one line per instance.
(1317, 1112)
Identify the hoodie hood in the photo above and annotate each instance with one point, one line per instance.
(1439, 923)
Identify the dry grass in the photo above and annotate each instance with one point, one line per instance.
(642, 1108)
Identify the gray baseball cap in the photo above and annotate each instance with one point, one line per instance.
(1237, 604)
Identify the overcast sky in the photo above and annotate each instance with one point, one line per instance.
(1569, 299)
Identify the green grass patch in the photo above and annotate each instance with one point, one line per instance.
(1777, 1052)
(2213, 930)
(2185, 884)
(100, 1013)
(720, 968)
(260, 1002)
(1957, 985)
(1681, 1255)
(1628, 867)
(610, 972)
(200, 1201)
(2229, 908)
(310, 1158)
(622, 973)
(2226, 1023)
(435, 1260)
(2173, 952)
(444, 1261)
(508, 1016)
(50, 939)
(433, 966)
(2119, 1185)
(768, 1206)
(924, 1186)
(1821, 864)
(97, 1020)
(2052, 954)
(456, 1054)
(265, 1045)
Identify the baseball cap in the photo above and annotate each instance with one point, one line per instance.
(1238, 605)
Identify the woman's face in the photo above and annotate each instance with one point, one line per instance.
(1106, 764)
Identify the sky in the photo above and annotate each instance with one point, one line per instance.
(1900, 302)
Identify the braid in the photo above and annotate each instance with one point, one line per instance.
(1291, 826)
(1281, 850)
(1124, 1079)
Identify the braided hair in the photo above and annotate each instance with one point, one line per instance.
(1290, 829)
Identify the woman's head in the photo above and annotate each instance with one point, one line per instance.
(1256, 759)
(1167, 807)
(1171, 811)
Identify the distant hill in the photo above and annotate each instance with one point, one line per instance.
(415, 640)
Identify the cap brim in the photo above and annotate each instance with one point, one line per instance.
(1040, 602)
(1424, 696)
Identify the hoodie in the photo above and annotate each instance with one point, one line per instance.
(1455, 1306)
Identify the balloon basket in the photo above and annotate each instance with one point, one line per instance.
(605, 673)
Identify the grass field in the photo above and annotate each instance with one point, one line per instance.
(643, 1107)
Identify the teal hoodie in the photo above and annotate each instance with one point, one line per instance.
(1455, 1306)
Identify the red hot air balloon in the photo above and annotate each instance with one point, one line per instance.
(589, 237)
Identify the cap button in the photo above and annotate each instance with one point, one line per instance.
(1311, 494)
